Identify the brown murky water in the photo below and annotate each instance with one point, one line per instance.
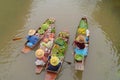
(17, 17)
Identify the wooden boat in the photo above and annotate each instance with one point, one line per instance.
(83, 25)
(50, 32)
(26, 48)
(50, 74)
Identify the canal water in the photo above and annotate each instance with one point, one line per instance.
(18, 16)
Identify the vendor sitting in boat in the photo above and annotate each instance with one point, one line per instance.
(54, 63)
(80, 49)
(79, 42)
(32, 39)
(41, 59)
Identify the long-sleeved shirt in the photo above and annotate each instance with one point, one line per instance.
(33, 39)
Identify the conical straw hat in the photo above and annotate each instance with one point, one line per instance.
(39, 53)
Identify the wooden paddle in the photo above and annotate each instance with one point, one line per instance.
(67, 62)
(18, 38)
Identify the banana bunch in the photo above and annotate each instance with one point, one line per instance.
(63, 34)
(81, 31)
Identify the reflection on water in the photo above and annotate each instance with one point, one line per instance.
(102, 62)
(12, 18)
(107, 15)
(78, 75)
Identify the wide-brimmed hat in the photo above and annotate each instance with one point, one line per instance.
(80, 39)
(31, 32)
(39, 53)
(54, 60)
(78, 57)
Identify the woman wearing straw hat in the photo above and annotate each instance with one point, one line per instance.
(33, 39)
(80, 51)
(54, 63)
(41, 59)
(80, 42)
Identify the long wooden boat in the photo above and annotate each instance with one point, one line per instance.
(60, 51)
(44, 45)
(82, 30)
(26, 48)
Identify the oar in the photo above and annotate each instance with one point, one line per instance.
(18, 38)
(67, 62)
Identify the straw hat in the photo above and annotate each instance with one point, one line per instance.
(80, 39)
(31, 32)
(39, 53)
(54, 60)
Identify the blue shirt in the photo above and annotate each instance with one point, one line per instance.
(33, 39)
(83, 52)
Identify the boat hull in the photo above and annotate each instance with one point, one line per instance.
(27, 49)
(79, 65)
(39, 68)
(52, 75)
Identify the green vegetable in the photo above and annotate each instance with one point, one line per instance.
(41, 31)
(53, 30)
(63, 34)
(54, 51)
(78, 57)
(43, 44)
(60, 55)
(44, 26)
(83, 24)
(62, 49)
(60, 41)
(50, 21)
